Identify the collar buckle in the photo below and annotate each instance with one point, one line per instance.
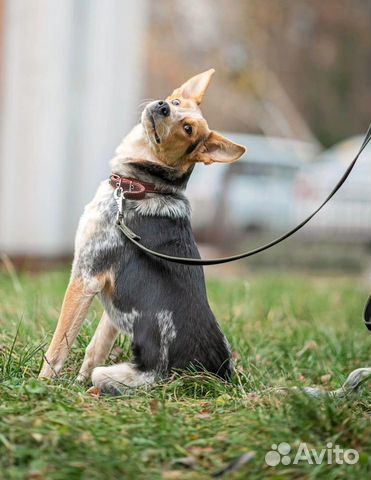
(133, 188)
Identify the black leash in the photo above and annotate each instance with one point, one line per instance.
(133, 238)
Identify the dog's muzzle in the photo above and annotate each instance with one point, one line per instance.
(161, 108)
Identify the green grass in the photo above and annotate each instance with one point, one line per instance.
(55, 430)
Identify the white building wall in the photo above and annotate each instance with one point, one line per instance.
(71, 84)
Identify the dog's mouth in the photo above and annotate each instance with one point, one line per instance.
(152, 120)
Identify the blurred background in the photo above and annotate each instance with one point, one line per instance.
(292, 83)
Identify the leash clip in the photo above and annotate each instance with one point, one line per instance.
(119, 196)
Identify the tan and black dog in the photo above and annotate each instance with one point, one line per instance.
(162, 306)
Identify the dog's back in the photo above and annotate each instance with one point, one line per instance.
(162, 305)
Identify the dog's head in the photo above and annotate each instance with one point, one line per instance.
(178, 135)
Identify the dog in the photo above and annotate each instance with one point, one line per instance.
(162, 306)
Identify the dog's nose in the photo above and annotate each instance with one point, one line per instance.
(162, 108)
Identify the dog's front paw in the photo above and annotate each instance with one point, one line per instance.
(47, 372)
(82, 378)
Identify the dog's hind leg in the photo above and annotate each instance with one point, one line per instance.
(99, 348)
(115, 378)
(76, 303)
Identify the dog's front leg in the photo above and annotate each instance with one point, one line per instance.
(99, 348)
(77, 300)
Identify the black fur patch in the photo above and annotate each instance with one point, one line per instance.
(150, 285)
(166, 174)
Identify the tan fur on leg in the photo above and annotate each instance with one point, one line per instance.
(99, 348)
(77, 300)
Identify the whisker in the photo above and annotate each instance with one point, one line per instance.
(145, 102)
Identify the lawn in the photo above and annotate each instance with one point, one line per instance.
(284, 329)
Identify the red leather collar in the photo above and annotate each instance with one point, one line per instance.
(134, 189)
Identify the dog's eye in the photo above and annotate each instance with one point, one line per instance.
(188, 128)
(175, 102)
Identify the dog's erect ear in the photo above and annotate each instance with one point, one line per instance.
(195, 87)
(217, 148)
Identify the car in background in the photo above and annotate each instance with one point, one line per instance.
(347, 217)
(253, 194)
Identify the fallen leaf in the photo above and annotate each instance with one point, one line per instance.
(35, 475)
(85, 437)
(203, 415)
(236, 356)
(221, 437)
(172, 474)
(253, 397)
(153, 406)
(310, 345)
(37, 437)
(238, 310)
(325, 379)
(94, 391)
(199, 451)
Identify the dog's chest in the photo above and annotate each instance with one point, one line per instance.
(162, 223)
(98, 241)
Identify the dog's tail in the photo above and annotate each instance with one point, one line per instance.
(115, 378)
